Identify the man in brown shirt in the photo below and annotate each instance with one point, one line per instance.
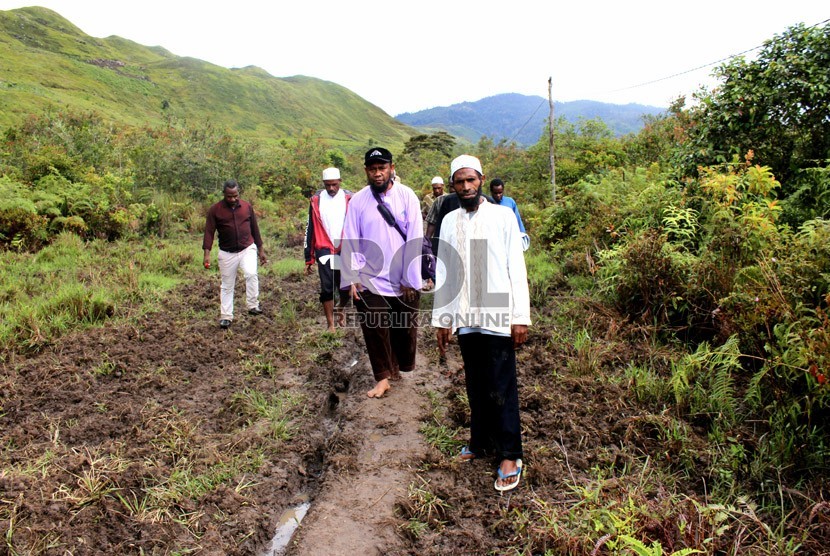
(239, 242)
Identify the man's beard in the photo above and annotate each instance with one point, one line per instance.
(472, 202)
(379, 188)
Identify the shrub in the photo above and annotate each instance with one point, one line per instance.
(646, 277)
(22, 229)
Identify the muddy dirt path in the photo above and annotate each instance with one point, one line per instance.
(162, 434)
(180, 437)
(354, 511)
(165, 434)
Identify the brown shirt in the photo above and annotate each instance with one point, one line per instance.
(237, 227)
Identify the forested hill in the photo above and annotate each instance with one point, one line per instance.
(49, 62)
(521, 118)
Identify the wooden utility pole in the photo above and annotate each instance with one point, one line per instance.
(552, 164)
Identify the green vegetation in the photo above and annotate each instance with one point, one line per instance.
(707, 231)
(48, 62)
(423, 510)
(441, 437)
(70, 284)
(273, 411)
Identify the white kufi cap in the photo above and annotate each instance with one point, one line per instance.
(437, 179)
(465, 161)
(331, 174)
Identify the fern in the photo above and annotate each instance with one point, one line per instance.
(680, 381)
(723, 362)
(753, 392)
(656, 549)
(681, 225)
(704, 380)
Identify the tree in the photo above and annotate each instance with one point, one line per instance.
(441, 142)
(775, 105)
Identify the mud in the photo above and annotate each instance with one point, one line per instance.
(145, 437)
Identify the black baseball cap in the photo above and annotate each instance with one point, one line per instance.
(377, 154)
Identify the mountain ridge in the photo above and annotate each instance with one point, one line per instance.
(522, 118)
(52, 64)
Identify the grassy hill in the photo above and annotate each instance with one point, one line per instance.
(50, 63)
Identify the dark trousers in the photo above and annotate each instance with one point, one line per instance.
(492, 389)
(390, 330)
(329, 282)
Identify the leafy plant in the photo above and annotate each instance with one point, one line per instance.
(774, 103)
(704, 384)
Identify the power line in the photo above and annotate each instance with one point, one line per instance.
(704, 65)
(527, 122)
(667, 77)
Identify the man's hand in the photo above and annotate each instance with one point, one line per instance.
(519, 334)
(308, 269)
(262, 258)
(409, 294)
(206, 262)
(443, 336)
(354, 293)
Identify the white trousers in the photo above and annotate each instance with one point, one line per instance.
(229, 265)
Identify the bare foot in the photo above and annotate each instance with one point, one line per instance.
(380, 389)
(331, 329)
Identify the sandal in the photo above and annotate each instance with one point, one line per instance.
(502, 476)
(466, 454)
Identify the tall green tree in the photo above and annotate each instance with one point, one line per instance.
(777, 105)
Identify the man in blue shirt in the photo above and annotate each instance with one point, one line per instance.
(497, 193)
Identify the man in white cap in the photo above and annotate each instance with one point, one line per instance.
(429, 198)
(482, 296)
(324, 232)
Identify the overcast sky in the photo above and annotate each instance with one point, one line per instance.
(408, 56)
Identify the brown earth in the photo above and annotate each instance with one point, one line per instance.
(166, 435)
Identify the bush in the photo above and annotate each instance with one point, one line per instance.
(22, 229)
(646, 277)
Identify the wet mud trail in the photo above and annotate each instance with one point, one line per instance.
(355, 509)
(164, 434)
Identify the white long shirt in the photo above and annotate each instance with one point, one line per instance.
(333, 215)
(481, 278)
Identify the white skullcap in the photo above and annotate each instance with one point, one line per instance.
(437, 179)
(331, 174)
(465, 161)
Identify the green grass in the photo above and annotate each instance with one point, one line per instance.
(46, 64)
(273, 412)
(281, 268)
(543, 274)
(71, 284)
(437, 433)
(423, 510)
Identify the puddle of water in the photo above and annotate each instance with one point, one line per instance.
(286, 526)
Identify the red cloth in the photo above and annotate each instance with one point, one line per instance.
(317, 241)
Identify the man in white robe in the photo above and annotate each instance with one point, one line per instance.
(482, 296)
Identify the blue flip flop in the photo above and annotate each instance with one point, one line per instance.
(466, 454)
(517, 473)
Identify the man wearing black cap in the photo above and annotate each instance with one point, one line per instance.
(382, 240)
